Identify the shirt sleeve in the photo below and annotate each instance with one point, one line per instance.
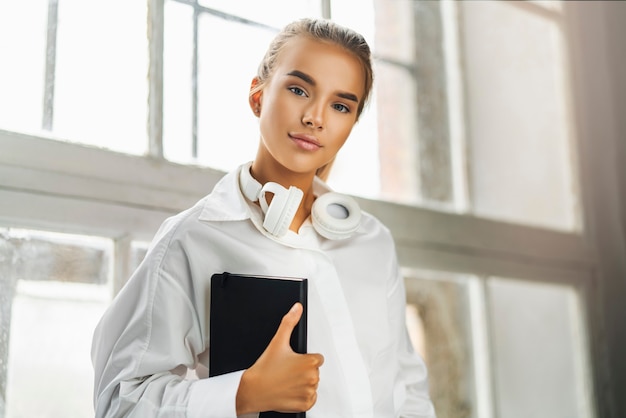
(148, 339)
(411, 390)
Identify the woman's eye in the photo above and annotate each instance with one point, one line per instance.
(341, 107)
(298, 91)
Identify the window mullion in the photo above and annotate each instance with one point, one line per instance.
(434, 167)
(481, 348)
(155, 76)
(51, 46)
(194, 85)
(7, 294)
(326, 9)
(457, 117)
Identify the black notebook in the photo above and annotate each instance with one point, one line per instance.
(246, 311)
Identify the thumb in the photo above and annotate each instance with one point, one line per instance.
(287, 324)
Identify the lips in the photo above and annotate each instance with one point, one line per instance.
(305, 142)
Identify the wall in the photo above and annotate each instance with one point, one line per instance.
(599, 62)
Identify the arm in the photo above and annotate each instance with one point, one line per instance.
(146, 341)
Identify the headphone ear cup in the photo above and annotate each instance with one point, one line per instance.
(330, 224)
(282, 209)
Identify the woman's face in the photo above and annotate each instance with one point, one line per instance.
(309, 105)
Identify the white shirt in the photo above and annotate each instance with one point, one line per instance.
(156, 328)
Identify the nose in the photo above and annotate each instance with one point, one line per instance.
(313, 116)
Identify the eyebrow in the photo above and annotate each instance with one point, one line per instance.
(308, 79)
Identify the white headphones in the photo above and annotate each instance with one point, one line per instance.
(335, 216)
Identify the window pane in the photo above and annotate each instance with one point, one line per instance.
(438, 321)
(54, 290)
(398, 146)
(396, 104)
(49, 370)
(101, 81)
(538, 350)
(23, 64)
(411, 76)
(228, 56)
(177, 82)
(520, 165)
(46, 256)
(275, 13)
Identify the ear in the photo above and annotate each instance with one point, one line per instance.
(254, 98)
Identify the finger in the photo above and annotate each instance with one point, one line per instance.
(288, 323)
(319, 359)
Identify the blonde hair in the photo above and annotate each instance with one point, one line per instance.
(322, 30)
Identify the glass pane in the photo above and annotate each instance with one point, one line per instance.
(101, 86)
(177, 82)
(518, 135)
(412, 86)
(275, 13)
(538, 350)
(49, 370)
(438, 321)
(54, 290)
(395, 88)
(228, 56)
(23, 64)
(47, 256)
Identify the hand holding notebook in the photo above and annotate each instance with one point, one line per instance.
(281, 380)
(259, 324)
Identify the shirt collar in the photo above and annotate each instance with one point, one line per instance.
(227, 203)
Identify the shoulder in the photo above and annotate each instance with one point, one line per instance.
(373, 228)
(223, 203)
(210, 224)
(371, 245)
(173, 229)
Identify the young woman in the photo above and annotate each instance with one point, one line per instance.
(269, 217)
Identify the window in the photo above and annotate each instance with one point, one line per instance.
(55, 288)
(468, 153)
(74, 78)
(439, 318)
(549, 337)
(78, 80)
(528, 147)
